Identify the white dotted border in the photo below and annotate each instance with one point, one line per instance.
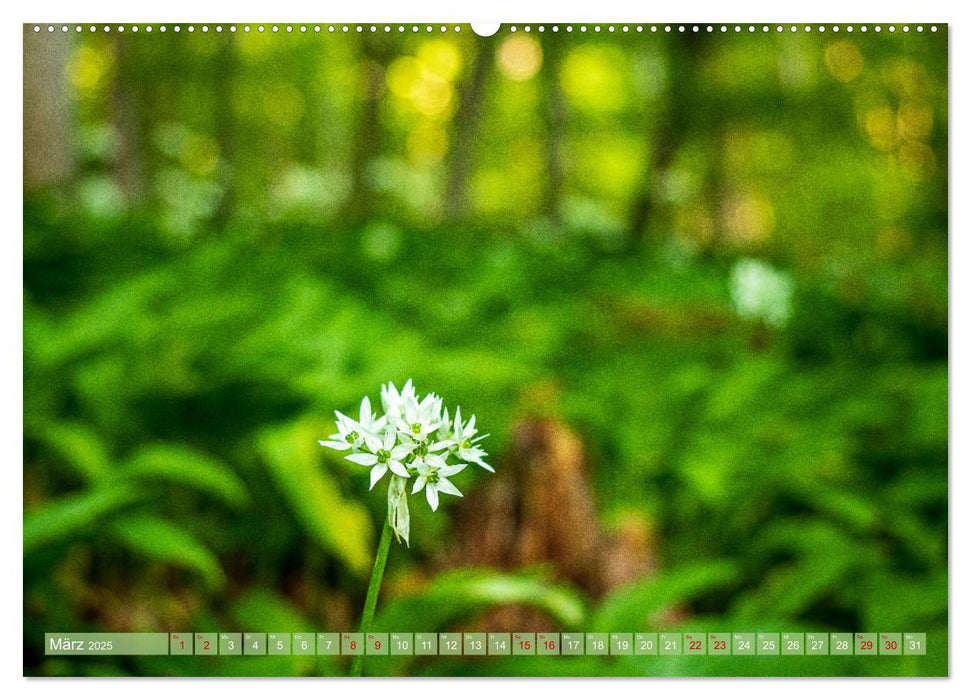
(245, 28)
(442, 28)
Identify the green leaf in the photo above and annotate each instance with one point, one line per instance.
(907, 601)
(340, 526)
(182, 465)
(785, 592)
(79, 446)
(856, 512)
(163, 541)
(72, 515)
(628, 608)
(459, 594)
(264, 610)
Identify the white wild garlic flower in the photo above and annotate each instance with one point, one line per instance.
(761, 293)
(412, 439)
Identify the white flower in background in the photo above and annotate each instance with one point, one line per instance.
(433, 477)
(761, 293)
(465, 444)
(412, 439)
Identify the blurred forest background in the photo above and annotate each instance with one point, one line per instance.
(694, 285)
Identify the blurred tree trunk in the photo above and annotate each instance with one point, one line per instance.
(665, 138)
(555, 117)
(126, 118)
(48, 157)
(467, 118)
(540, 508)
(375, 54)
(224, 75)
(308, 131)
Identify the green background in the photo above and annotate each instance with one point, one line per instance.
(720, 260)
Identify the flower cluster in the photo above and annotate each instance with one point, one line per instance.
(413, 439)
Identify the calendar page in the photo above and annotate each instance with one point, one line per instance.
(548, 349)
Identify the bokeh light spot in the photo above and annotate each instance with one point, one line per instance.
(519, 57)
(844, 60)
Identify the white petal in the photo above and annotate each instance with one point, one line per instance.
(446, 486)
(371, 440)
(365, 410)
(452, 469)
(362, 458)
(390, 398)
(432, 495)
(472, 454)
(376, 474)
(434, 460)
(398, 468)
(334, 445)
(401, 451)
(484, 465)
(419, 484)
(389, 439)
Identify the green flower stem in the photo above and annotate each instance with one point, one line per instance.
(371, 601)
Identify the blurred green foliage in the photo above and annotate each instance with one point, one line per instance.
(256, 230)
